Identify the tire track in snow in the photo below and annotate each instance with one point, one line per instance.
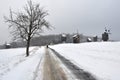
(52, 69)
(38, 69)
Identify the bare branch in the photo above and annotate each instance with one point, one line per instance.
(28, 23)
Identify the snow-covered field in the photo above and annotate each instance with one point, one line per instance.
(15, 66)
(102, 59)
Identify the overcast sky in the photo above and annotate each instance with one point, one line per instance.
(89, 17)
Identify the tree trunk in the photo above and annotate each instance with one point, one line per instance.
(27, 48)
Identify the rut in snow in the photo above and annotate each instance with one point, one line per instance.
(52, 69)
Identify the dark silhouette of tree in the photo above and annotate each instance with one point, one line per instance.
(28, 23)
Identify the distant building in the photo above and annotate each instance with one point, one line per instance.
(95, 38)
(7, 46)
(63, 38)
(76, 38)
(105, 35)
(89, 40)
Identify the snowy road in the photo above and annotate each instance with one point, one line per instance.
(52, 69)
(73, 72)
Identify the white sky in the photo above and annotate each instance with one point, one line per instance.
(89, 17)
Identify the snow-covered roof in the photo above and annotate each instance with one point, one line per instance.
(8, 44)
(63, 35)
(89, 39)
(74, 35)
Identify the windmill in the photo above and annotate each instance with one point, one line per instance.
(105, 35)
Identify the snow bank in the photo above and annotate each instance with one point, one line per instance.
(102, 59)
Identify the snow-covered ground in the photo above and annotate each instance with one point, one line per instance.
(15, 66)
(102, 59)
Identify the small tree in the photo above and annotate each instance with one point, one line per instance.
(28, 23)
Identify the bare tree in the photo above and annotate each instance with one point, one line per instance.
(28, 23)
